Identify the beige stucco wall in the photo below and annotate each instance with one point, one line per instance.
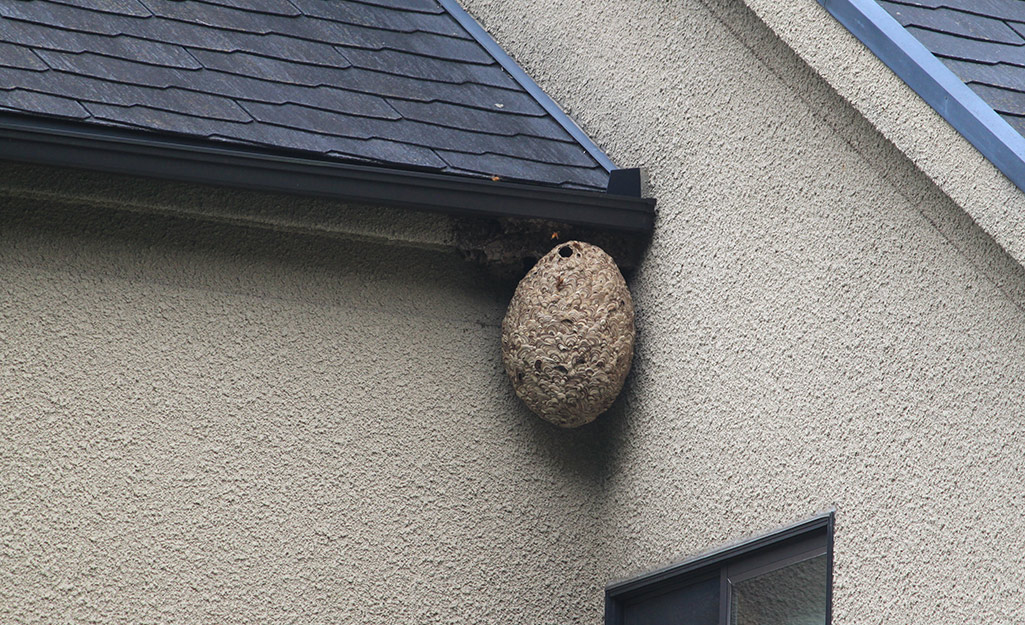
(307, 421)
(939, 151)
(820, 326)
(202, 423)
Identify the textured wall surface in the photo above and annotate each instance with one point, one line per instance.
(967, 177)
(202, 423)
(819, 325)
(206, 423)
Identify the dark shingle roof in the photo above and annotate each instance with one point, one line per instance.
(981, 41)
(393, 82)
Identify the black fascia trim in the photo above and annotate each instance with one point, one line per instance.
(694, 567)
(968, 113)
(508, 64)
(51, 142)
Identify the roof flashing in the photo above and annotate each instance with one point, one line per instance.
(910, 60)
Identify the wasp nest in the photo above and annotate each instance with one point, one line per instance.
(568, 337)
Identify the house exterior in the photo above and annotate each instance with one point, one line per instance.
(224, 404)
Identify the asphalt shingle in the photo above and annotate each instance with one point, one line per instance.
(960, 23)
(392, 82)
(33, 102)
(981, 41)
(972, 50)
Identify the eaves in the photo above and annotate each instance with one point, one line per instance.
(57, 143)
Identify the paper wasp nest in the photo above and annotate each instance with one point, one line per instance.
(568, 337)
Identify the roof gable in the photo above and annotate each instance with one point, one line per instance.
(402, 83)
(952, 31)
(981, 42)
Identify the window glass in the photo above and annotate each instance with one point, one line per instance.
(782, 578)
(695, 604)
(791, 595)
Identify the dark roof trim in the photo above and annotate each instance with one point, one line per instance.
(483, 38)
(74, 145)
(936, 83)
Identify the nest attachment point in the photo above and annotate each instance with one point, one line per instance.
(568, 336)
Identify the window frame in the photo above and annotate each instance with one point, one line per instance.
(738, 562)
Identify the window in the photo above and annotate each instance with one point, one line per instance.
(784, 578)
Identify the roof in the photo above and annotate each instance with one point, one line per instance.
(963, 57)
(981, 42)
(388, 85)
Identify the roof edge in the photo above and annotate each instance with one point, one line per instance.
(947, 161)
(483, 38)
(53, 142)
(910, 60)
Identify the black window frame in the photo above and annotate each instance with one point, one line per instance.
(753, 557)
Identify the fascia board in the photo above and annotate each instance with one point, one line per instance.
(49, 142)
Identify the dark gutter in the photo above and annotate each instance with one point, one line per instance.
(508, 64)
(64, 144)
(935, 83)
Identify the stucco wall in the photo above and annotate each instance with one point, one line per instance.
(956, 167)
(202, 423)
(207, 423)
(820, 326)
